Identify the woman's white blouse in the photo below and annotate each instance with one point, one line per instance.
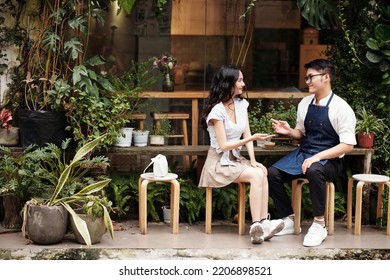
(233, 130)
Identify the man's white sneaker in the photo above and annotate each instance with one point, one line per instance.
(288, 227)
(256, 233)
(271, 227)
(315, 235)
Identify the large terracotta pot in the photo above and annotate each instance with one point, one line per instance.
(365, 140)
(45, 225)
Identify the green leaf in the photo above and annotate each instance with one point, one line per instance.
(87, 148)
(385, 79)
(94, 61)
(61, 183)
(95, 187)
(78, 23)
(73, 47)
(78, 71)
(80, 224)
(384, 66)
(51, 41)
(372, 44)
(386, 52)
(321, 14)
(108, 222)
(126, 5)
(374, 57)
(382, 33)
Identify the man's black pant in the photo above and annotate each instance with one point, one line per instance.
(317, 175)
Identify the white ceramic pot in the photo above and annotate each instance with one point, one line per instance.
(157, 140)
(125, 141)
(140, 138)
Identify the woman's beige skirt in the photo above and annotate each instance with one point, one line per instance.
(215, 175)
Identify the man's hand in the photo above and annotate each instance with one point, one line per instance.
(308, 162)
(281, 127)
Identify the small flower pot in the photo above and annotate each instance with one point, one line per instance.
(9, 137)
(166, 214)
(125, 141)
(157, 140)
(140, 138)
(365, 140)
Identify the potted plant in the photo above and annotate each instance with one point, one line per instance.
(159, 132)
(66, 186)
(367, 124)
(92, 212)
(109, 110)
(15, 189)
(23, 176)
(39, 84)
(9, 135)
(124, 140)
(129, 86)
(140, 137)
(53, 68)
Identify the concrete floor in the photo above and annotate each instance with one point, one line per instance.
(192, 242)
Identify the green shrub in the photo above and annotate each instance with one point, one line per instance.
(260, 119)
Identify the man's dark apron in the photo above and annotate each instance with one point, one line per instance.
(320, 136)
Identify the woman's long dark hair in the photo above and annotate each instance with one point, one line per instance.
(221, 89)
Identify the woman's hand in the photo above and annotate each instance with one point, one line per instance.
(259, 165)
(263, 136)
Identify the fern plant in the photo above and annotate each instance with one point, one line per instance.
(191, 200)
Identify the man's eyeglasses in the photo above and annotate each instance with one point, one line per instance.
(308, 78)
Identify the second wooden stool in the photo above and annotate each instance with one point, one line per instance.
(143, 182)
(296, 204)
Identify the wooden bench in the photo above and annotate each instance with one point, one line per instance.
(201, 151)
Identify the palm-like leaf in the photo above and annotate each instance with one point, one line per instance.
(80, 224)
(321, 14)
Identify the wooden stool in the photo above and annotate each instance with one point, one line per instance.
(365, 179)
(296, 197)
(140, 118)
(183, 117)
(143, 182)
(241, 208)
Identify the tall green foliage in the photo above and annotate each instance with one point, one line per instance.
(359, 80)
